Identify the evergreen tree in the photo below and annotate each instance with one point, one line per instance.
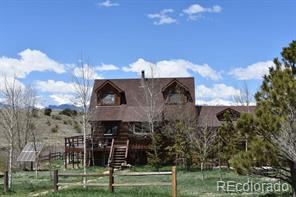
(156, 155)
(229, 139)
(273, 127)
(183, 146)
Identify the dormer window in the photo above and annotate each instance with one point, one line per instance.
(109, 94)
(176, 93)
(175, 97)
(108, 99)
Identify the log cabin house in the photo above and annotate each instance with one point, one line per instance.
(121, 110)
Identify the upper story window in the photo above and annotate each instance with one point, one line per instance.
(139, 128)
(108, 99)
(176, 93)
(109, 94)
(175, 97)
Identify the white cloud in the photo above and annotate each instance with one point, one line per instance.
(29, 61)
(91, 75)
(253, 71)
(218, 91)
(10, 81)
(62, 98)
(55, 86)
(172, 68)
(216, 101)
(106, 67)
(194, 11)
(162, 17)
(107, 4)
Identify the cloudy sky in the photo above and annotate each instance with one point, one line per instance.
(220, 43)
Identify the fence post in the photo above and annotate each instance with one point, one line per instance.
(5, 179)
(174, 181)
(55, 180)
(111, 179)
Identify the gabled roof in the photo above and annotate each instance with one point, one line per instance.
(220, 115)
(108, 82)
(135, 101)
(172, 82)
(207, 115)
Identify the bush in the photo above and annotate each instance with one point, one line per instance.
(35, 113)
(56, 117)
(69, 112)
(47, 111)
(77, 127)
(70, 122)
(48, 122)
(55, 129)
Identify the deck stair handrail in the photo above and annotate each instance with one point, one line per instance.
(126, 150)
(111, 152)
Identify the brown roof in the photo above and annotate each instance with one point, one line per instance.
(134, 109)
(207, 115)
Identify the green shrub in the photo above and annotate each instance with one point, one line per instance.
(69, 112)
(47, 111)
(55, 129)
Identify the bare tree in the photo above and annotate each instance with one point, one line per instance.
(204, 140)
(29, 102)
(11, 93)
(245, 98)
(83, 80)
(152, 109)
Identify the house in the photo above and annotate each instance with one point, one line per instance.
(121, 113)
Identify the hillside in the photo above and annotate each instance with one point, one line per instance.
(52, 129)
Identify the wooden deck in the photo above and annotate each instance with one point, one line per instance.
(97, 148)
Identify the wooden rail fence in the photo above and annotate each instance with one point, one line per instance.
(112, 184)
(5, 181)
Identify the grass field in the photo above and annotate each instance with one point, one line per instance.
(189, 184)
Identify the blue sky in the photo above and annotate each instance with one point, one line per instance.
(220, 43)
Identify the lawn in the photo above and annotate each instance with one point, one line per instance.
(189, 184)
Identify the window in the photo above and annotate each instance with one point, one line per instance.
(139, 128)
(175, 98)
(111, 128)
(108, 99)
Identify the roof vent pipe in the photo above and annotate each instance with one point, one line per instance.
(142, 79)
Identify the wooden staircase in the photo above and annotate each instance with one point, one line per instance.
(118, 153)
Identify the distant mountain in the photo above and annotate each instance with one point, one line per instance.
(64, 106)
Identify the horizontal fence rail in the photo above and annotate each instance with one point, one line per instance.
(112, 184)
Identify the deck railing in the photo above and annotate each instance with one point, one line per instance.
(111, 152)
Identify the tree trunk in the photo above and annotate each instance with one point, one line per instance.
(10, 163)
(84, 151)
(201, 169)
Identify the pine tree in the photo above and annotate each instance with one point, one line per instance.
(273, 126)
(229, 139)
